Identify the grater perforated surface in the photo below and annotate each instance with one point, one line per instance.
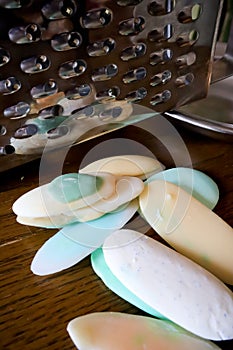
(57, 57)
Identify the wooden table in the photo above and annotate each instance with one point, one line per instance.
(36, 310)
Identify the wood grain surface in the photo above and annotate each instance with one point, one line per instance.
(35, 311)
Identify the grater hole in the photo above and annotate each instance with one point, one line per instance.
(68, 8)
(18, 111)
(9, 86)
(137, 95)
(22, 35)
(134, 75)
(161, 78)
(101, 48)
(66, 41)
(160, 7)
(128, 2)
(72, 69)
(184, 80)
(35, 64)
(132, 26)
(186, 60)
(26, 131)
(108, 94)
(105, 73)
(57, 132)
(190, 13)
(83, 113)
(188, 38)
(161, 34)
(96, 18)
(111, 113)
(54, 10)
(134, 51)
(161, 56)
(4, 57)
(3, 130)
(43, 90)
(161, 98)
(14, 4)
(50, 112)
(78, 92)
(7, 149)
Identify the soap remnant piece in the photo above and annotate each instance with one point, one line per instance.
(102, 270)
(65, 194)
(189, 227)
(114, 330)
(125, 165)
(193, 181)
(127, 188)
(74, 186)
(177, 287)
(74, 242)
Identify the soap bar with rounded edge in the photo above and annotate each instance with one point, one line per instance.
(102, 270)
(74, 242)
(177, 287)
(125, 165)
(193, 181)
(127, 188)
(114, 331)
(50, 199)
(189, 227)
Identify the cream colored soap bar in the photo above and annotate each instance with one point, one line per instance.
(57, 197)
(190, 227)
(118, 331)
(127, 188)
(172, 284)
(125, 165)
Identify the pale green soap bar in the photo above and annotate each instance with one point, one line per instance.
(102, 270)
(193, 181)
(74, 186)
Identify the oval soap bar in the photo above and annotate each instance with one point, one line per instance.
(56, 197)
(189, 226)
(74, 242)
(114, 331)
(193, 181)
(125, 165)
(102, 270)
(177, 287)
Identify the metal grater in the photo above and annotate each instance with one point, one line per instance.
(57, 57)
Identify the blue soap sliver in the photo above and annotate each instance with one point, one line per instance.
(102, 270)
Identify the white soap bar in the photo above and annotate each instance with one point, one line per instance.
(190, 227)
(125, 165)
(114, 331)
(172, 284)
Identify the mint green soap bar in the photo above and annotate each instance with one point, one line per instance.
(193, 181)
(102, 270)
(74, 186)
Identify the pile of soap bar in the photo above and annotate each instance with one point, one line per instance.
(86, 195)
(168, 282)
(184, 285)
